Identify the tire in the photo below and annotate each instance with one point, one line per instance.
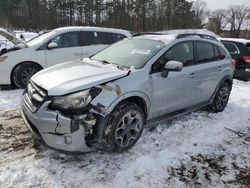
(221, 99)
(124, 128)
(23, 73)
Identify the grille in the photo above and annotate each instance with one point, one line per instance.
(34, 96)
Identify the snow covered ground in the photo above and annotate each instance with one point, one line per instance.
(10, 100)
(196, 150)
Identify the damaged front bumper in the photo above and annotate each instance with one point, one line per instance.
(57, 131)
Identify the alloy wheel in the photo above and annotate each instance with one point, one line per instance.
(222, 98)
(128, 128)
(27, 74)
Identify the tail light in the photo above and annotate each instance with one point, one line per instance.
(246, 58)
(233, 61)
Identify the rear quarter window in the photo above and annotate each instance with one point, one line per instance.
(222, 52)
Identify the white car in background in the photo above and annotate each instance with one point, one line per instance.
(65, 44)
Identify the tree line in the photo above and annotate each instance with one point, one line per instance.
(133, 15)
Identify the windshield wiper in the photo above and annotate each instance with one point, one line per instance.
(118, 66)
(111, 63)
(105, 62)
(101, 61)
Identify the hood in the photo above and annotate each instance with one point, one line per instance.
(11, 37)
(75, 76)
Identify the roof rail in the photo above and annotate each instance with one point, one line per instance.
(197, 34)
(146, 33)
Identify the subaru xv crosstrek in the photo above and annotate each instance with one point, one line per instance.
(106, 100)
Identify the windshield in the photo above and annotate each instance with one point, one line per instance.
(40, 38)
(130, 52)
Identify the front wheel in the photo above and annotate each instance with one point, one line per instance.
(23, 73)
(221, 99)
(124, 128)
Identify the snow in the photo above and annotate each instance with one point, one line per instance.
(10, 100)
(244, 41)
(163, 157)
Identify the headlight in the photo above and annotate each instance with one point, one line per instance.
(74, 101)
(2, 58)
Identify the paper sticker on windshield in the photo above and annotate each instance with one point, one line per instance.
(144, 52)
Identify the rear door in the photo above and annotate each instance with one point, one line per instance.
(207, 70)
(68, 48)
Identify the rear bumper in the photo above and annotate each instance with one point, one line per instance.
(54, 129)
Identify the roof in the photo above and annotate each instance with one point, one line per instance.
(170, 35)
(189, 31)
(164, 38)
(244, 41)
(89, 28)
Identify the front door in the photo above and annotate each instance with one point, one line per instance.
(176, 91)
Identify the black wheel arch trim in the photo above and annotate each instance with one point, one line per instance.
(225, 79)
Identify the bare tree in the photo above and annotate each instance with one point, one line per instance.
(218, 21)
(237, 16)
(201, 12)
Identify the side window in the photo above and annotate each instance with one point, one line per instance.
(88, 38)
(103, 38)
(231, 48)
(182, 52)
(66, 40)
(95, 38)
(205, 52)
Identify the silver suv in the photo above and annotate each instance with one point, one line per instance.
(105, 101)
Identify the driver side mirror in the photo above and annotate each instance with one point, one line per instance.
(52, 45)
(175, 66)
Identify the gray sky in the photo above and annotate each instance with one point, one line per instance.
(217, 4)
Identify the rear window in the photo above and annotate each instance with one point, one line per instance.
(231, 47)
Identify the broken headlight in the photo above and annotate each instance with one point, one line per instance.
(74, 101)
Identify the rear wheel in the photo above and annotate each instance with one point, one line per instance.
(23, 73)
(221, 99)
(124, 127)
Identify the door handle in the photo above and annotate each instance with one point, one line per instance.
(220, 68)
(191, 75)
